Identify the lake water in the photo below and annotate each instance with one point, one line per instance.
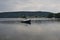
(13, 29)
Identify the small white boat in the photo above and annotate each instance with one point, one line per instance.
(26, 21)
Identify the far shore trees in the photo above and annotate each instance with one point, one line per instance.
(51, 15)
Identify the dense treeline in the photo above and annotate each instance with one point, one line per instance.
(55, 15)
(50, 15)
(29, 14)
(23, 14)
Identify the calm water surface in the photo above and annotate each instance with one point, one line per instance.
(12, 29)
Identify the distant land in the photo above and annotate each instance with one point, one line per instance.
(24, 14)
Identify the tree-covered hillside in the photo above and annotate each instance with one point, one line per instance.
(22, 14)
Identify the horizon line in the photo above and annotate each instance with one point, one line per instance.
(28, 11)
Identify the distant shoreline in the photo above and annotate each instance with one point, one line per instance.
(38, 14)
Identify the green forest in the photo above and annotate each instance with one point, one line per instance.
(38, 14)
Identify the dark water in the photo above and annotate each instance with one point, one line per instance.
(38, 30)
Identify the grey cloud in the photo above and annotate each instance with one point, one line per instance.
(28, 5)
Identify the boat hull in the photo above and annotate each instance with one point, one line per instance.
(27, 21)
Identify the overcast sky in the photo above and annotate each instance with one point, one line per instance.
(30, 5)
